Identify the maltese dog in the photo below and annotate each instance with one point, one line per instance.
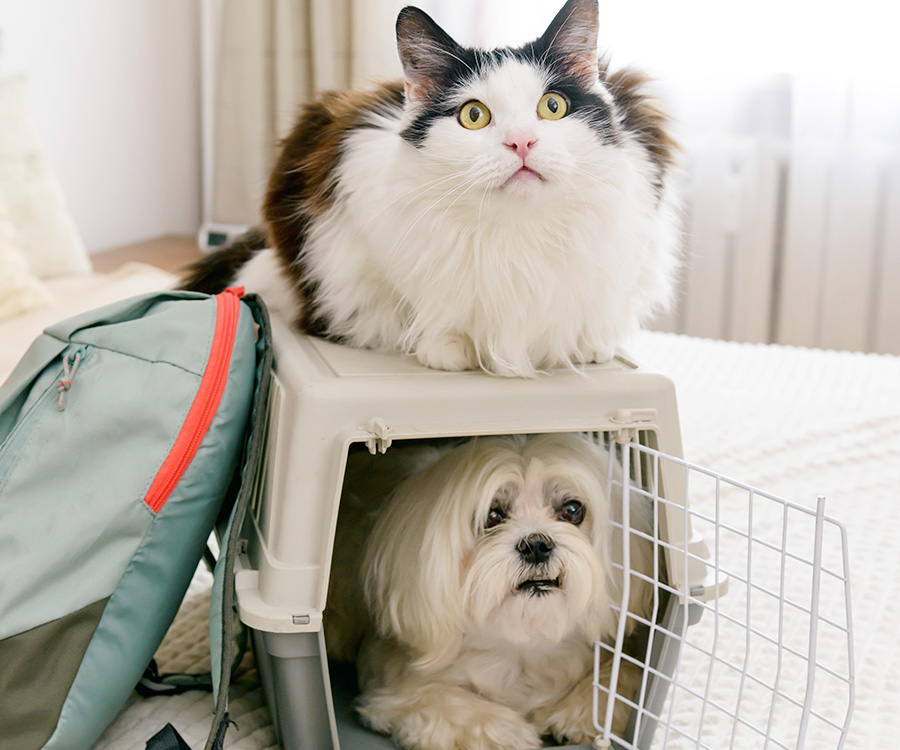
(470, 597)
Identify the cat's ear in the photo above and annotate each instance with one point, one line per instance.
(428, 53)
(572, 37)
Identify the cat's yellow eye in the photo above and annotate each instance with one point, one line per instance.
(552, 106)
(474, 115)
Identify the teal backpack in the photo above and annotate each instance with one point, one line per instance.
(123, 438)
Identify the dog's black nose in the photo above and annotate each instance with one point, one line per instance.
(535, 548)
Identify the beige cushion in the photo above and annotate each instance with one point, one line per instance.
(20, 289)
(34, 201)
(73, 295)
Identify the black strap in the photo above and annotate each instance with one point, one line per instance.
(219, 739)
(251, 464)
(209, 558)
(167, 738)
(153, 683)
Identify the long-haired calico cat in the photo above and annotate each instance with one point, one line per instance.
(507, 209)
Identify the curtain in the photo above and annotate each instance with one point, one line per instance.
(272, 56)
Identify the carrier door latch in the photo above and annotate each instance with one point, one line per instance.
(628, 422)
(380, 440)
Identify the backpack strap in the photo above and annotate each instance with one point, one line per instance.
(226, 646)
(223, 606)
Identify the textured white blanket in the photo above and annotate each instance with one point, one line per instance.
(796, 423)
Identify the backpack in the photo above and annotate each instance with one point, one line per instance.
(123, 431)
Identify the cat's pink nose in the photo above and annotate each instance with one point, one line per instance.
(521, 143)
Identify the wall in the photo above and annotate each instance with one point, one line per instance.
(115, 92)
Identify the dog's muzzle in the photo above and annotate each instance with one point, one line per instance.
(536, 550)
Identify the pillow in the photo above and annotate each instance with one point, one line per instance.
(34, 201)
(20, 290)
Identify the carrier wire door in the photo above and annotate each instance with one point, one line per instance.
(767, 661)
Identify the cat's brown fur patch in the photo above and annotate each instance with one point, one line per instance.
(301, 186)
(642, 116)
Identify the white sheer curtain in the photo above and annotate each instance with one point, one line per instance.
(789, 113)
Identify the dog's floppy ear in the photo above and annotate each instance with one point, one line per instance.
(413, 565)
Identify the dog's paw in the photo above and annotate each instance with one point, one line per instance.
(451, 352)
(446, 717)
(571, 719)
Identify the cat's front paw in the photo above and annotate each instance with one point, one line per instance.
(452, 352)
(593, 353)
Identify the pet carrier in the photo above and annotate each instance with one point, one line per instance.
(325, 398)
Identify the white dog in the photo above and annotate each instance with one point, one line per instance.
(472, 605)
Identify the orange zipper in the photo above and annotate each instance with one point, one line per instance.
(206, 402)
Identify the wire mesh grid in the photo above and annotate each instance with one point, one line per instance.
(748, 643)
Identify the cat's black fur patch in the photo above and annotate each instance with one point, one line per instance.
(584, 104)
(416, 132)
(214, 272)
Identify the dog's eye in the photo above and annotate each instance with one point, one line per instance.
(571, 511)
(494, 518)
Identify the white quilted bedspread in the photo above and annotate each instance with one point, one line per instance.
(796, 423)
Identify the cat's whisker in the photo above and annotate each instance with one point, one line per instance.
(448, 159)
(453, 203)
(399, 243)
(433, 47)
(418, 218)
(552, 43)
(574, 186)
(448, 179)
(484, 194)
(593, 177)
(416, 190)
(465, 188)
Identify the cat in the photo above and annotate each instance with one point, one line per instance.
(510, 209)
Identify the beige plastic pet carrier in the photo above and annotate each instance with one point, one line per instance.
(729, 661)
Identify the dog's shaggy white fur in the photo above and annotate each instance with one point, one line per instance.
(486, 579)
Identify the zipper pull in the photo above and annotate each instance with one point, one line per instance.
(70, 367)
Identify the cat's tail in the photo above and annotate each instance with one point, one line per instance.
(214, 272)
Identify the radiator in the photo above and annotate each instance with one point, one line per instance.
(791, 241)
